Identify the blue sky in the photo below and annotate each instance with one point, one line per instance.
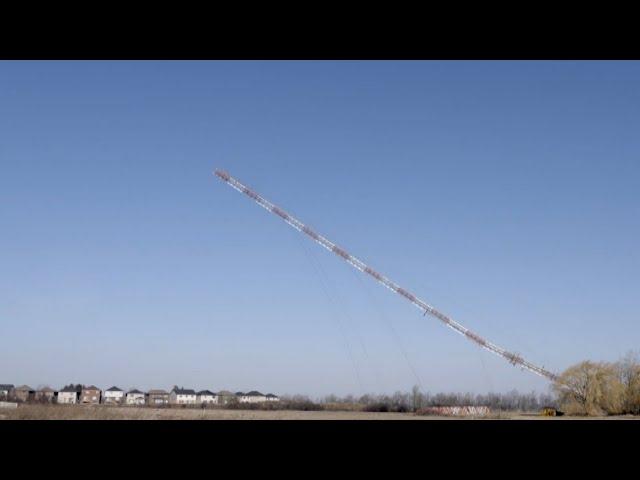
(506, 194)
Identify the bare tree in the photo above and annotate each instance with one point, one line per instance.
(629, 374)
(416, 398)
(590, 388)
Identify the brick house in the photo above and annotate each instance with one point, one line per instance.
(225, 397)
(45, 395)
(24, 393)
(90, 395)
(157, 398)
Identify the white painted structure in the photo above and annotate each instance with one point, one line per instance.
(252, 397)
(135, 397)
(5, 391)
(182, 396)
(67, 397)
(207, 397)
(113, 396)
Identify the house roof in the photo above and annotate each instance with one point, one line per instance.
(69, 389)
(239, 394)
(5, 386)
(225, 393)
(254, 393)
(46, 390)
(91, 387)
(184, 391)
(205, 392)
(24, 387)
(135, 390)
(271, 395)
(158, 392)
(114, 389)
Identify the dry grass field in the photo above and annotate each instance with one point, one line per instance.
(82, 412)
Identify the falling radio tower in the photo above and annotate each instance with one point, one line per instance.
(512, 358)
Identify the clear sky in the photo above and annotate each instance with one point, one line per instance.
(506, 194)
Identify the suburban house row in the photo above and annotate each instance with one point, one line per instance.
(115, 396)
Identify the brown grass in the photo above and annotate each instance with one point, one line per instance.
(104, 412)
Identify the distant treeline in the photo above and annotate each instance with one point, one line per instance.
(412, 401)
(587, 388)
(415, 400)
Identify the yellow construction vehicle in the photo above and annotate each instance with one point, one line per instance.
(551, 412)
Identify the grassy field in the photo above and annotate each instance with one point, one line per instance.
(99, 412)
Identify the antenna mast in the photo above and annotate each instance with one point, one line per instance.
(512, 358)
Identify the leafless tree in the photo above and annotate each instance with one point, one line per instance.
(590, 388)
(417, 398)
(629, 373)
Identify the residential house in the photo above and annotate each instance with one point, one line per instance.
(206, 397)
(157, 398)
(252, 397)
(135, 397)
(24, 393)
(183, 396)
(6, 391)
(68, 395)
(272, 398)
(113, 396)
(225, 397)
(90, 395)
(45, 395)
